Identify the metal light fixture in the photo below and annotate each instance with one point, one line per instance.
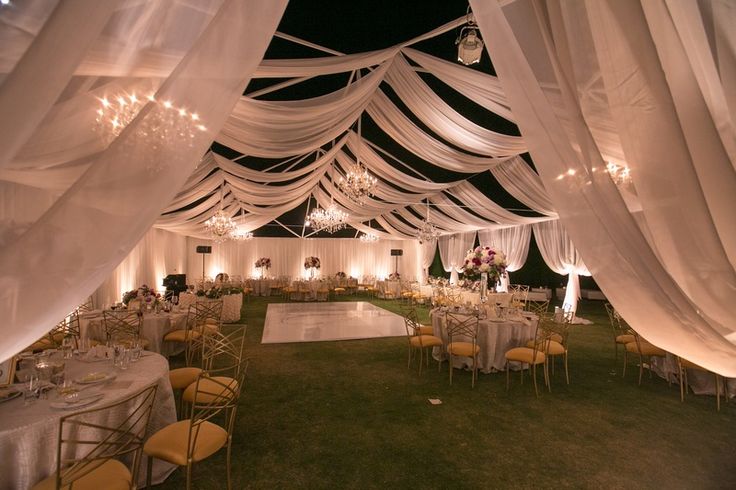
(358, 183)
(469, 43)
(329, 219)
(620, 174)
(428, 231)
(369, 237)
(220, 225)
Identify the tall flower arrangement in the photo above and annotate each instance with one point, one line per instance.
(263, 263)
(312, 263)
(485, 259)
(147, 295)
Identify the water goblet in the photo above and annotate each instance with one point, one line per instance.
(135, 351)
(67, 348)
(32, 388)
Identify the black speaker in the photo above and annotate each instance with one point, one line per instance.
(397, 252)
(204, 249)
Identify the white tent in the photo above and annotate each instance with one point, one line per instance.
(648, 85)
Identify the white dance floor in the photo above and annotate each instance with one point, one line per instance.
(314, 322)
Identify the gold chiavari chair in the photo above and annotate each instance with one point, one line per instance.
(86, 307)
(420, 337)
(554, 335)
(684, 365)
(622, 334)
(123, 326)
(462, 340)
(92, 443)
(643, 349)
(533, 356)
(520, 295)
(209, 428)
(539, 308)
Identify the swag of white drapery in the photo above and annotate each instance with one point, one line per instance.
(66, 253)
(453, 249)
(660, 74)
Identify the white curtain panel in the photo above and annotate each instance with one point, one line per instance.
(652, 67)
(74, 246)
(560, 255)
(514, 242)
(158, 254)
(453, 249)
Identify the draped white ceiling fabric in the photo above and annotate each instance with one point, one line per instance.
(453, 249)
(74, 245)
(653, 69)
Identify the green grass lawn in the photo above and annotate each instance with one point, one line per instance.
(351, 415)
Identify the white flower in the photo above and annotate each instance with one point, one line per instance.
(484, 267)
(499, 259)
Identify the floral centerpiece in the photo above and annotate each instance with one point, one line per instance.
(485, 260)
(341, 275)
(264, 263)
(438, 281)
(146, 295)
(394, 276)
(312, 263)
(211, 293)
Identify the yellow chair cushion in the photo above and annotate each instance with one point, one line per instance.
(426, 330)
(112, 474)
(552, 347)
(182, 377)
(625, 339)
(463, 349)
(209, 390)
(647, 349)
(170, 443)
(425, 341)
(181, 335)
(525, 354)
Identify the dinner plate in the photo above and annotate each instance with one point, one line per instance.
(94, 377)
(7, 395)
(80, 402)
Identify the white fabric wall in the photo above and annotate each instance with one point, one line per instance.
(158, 254)
(287, 255)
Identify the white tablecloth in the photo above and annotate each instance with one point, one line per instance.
(495, 338)
(231, 305)
(700, 382)
(28, 434)
(155, 326)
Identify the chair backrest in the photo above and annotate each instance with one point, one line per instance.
(122, 324)
(89, 438)
(539, 308)
(216, 393)
(542, 333)
(411, 322)
(219, 349)
(465, 326)
(201, 311)
(86, 307)
(617, 322)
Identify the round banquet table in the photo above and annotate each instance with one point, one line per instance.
(155, 326)
(29, 433)
(231, 305)
(495, 337)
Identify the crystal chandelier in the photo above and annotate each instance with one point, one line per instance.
(428, 231)
(220, 226)
(358, 182)
(329, 219)
(620, 174)
(239, 235)
(369, 237)
(116, 112)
